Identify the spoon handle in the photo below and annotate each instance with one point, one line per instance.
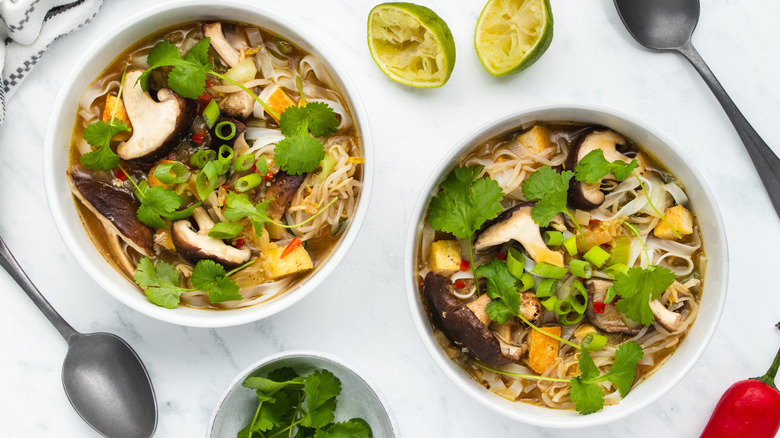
(766, 162)
(10, 264)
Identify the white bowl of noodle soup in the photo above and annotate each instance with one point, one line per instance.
(713, 294)
(61, 127)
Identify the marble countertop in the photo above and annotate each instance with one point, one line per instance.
(592, 60)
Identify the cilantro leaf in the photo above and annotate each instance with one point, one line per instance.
(199, 53)
(588, 368)
(498, 311)
(322, 119)
(239, 206)
(283, 374)
(161, 282)
(209, 276)
(299, 154)
(156, 202)
(587, 397)
(501, 284)
(188, 81)
(594, 166)
(188, 76)
(101, 159)
(321, 386)
(623, 371)
(354, 428)
(99, 134)
(322, 416)
(465, 202)
(294, 121)
(550, 188)
(638, 287)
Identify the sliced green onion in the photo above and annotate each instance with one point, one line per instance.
(172, 173)
(527, 281)
(621, 250)
(593, 342)
(553, 238)
(515, 262)
(224, 157)
(562, 307)
(578, 297)
(571, 245)
(219, 130)
(547, 288)
(201, 157)
(211, 113)
(570, 318)
(339, 226)
(549, 271)
(244, 162)
(262, 166)
(226, 230)
(597, 256)
(248, 182)
(549, 303)
(580, 268)
(327, 164)
(614, 270)
(207, 180)
(610, 296)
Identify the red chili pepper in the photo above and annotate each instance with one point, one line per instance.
(268, 176)
(197, 138)
(593, 222)
(120, 175)
(599, 307)
(464, 265)
(501, 257)
(460, 284)
(239, 243)
(296, 242)
(749, 408)
(204, 98)
(209, 84)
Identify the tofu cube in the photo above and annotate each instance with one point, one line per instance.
(121, 114)
(680, 218)
(295, 262)
(542, 349)
(535, 139)
(444, 257)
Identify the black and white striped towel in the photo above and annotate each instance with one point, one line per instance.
(27, 28)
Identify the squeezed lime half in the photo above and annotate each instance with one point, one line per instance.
(512, 34)
(411, 44)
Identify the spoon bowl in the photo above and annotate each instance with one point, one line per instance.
(99, 371)
(669, 25)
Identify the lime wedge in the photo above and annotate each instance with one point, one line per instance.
(411, 44)
(512, 34)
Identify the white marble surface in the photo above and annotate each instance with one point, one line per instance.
(360, 313)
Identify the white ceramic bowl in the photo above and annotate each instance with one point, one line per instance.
(713, 295)
(358, 398)
(60, 127)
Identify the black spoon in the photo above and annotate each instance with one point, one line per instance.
(668, 25)
(104, 379)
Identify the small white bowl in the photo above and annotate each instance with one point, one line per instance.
(713, 294)
(358, 399)
(60, 127)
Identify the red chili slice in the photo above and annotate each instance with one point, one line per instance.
(501, 257)
(464, 265)
(197, 138)
(296, 242)
(460, 284)
(599, 307)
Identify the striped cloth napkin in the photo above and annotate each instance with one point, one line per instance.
(27, 28)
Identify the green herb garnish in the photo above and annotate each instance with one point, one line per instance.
(638, 287)
(99, 135)
(550, 189)
(239, 206)
(593, 167)
(589, 397)
(301, 152)
(162, 282)
(293, 405)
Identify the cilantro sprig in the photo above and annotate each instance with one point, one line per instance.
(99, 135)
(239, 206)
(300, 152)
(464, 203)
(550, 190)
(293, 405)
(594, 166)
(584, 391)
(162, 282)
(638, 287)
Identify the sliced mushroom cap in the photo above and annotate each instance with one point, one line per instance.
(114, 207)
(197, 245)
(589, 196)
(238, 105)
(459, 323)
(664, 317)
(610, 320)
(228, 54)
(516, 224)
(158, 126)
(281, 192)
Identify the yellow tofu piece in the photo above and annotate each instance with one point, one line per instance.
(535, 139)
(279, 101)
(121, 114)
(680, 218)
(296, 261)
(542, 349)
(444, 257)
